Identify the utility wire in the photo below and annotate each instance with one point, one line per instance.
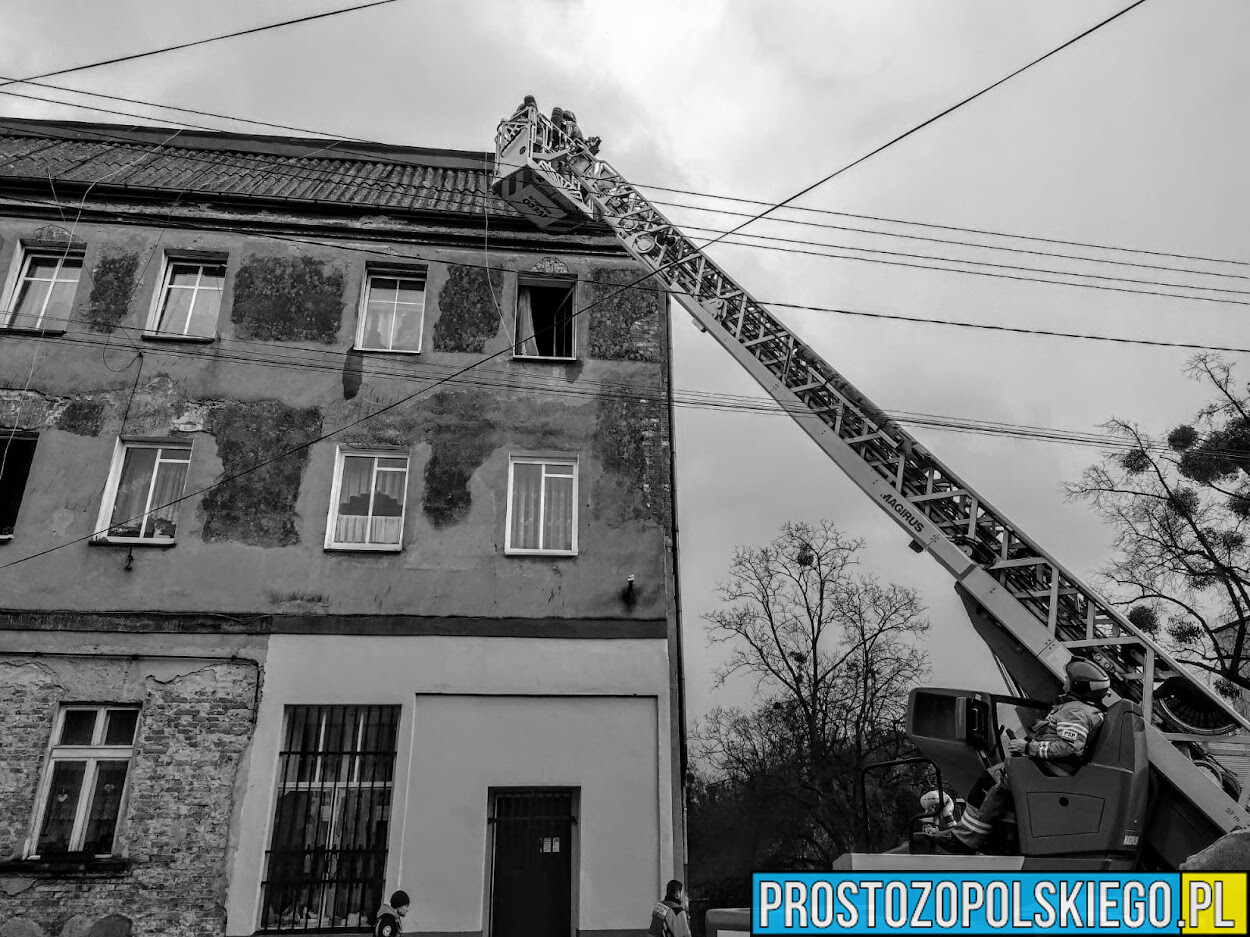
(199, 42)
(834, 310)
(936, 117)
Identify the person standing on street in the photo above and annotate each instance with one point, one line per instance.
(391, 914)
(668, 917)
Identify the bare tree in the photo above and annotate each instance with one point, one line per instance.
(833, 653)
(1181, 513)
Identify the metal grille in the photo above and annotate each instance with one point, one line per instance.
(532, 863)
(326, 862)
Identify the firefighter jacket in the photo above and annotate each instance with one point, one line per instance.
(1062, 735)
(668, 919)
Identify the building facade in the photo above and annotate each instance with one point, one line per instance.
(337, 546)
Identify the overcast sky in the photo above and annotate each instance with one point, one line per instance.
(1135, 137)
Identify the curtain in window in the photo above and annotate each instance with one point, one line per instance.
(527, 479)
(171, 478)
(105, 803)
(352, 524)
(558, 522)
(527, 344)
(131, 500)
(388, 506)
(58, 818)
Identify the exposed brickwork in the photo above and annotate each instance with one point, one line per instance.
(195, 726)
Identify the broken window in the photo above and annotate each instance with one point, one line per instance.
(145, 486)
(367, 505)
(326, 863)
(391, 312)
(189, 300)
(544, 319)
(43, 291)
(84, 781)
(542, 506)
(17, 451)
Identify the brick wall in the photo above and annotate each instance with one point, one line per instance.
(194, 728)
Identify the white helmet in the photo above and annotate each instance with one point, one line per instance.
(930, 799)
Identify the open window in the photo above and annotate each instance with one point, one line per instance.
(544, 318)
(17, 452)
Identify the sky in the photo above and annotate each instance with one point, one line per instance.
(1134, 137)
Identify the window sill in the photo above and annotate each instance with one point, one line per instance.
(5, 538)
(22, 330)
(128, 542)
(364, 547)
(172, 337)
(66, 865)
(540, 553)
(546, 359)
(387, 351)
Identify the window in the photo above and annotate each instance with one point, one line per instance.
(542, 506)
(367, 504)
(17, 451)
(326, 862)
(391, 311)
(43, 292)
(85, 780)
(544, 319)
(145, 483)
(189, 299)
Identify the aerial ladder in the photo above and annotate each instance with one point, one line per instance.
(1033, 613)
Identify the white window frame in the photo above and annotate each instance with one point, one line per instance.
(545, 282)
(17, 274)
(153, 327)
(567, 461)
(92, 754)
(341, 453)
(362, 309)
(108, 502)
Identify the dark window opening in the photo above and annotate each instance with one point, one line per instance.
(17, 451)
(544, 320)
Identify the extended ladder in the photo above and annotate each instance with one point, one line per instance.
(1031, 610)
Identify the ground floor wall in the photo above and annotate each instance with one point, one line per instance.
(171, 719)
(568, 741)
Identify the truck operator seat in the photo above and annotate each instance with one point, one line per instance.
(1101, 808)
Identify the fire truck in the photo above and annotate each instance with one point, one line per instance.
(1166, 774)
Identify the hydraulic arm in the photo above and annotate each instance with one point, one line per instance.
(1033, 612)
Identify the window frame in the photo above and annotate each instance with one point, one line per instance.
(92, 754)
(545, 282)
(544, 460)
(340, 455)
(109, 501)
(362, 307)
(7, 437)
(23, 256)
(152, 329)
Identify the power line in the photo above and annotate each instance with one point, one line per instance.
(954, 323)
(936, 117)
(199, 42)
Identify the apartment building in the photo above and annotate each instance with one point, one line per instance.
(337, 546)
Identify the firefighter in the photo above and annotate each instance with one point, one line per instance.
(936, 819)
(1057, 740)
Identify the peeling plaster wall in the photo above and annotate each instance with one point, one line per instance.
(178, 821)
(263, 532)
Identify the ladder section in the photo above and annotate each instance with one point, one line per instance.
(1044, 607)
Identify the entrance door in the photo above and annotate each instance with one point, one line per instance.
(532, 866)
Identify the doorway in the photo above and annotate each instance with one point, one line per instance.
(531, 862)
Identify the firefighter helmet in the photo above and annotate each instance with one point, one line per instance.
(1086, 680)
(929, 803)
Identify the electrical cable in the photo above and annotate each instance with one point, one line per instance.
(199, 42)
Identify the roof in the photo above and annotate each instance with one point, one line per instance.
(316, 171)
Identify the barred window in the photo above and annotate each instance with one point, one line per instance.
(326, 863)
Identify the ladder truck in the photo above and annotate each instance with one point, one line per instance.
(1174, 775)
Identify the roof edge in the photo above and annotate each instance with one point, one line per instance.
(225, 141)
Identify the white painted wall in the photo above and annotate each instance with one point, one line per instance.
(477, 713)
